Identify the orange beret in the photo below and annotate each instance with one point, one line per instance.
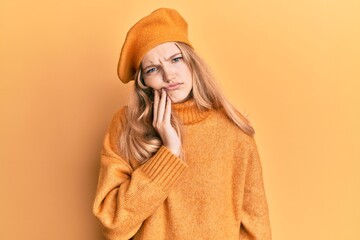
(162, 25)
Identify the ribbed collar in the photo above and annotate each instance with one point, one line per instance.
(188, 112)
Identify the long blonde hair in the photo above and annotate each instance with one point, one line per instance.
(139, 140)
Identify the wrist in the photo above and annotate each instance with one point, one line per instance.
(174, 150)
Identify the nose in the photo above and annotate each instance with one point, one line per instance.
(168, 74)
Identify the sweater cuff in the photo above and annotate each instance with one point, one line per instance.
(164, 168)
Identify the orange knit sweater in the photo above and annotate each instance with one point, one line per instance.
(217, 194)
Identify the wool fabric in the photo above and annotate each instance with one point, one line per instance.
(162, 25)
(217, 193)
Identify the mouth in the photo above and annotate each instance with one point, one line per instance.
(172, 86)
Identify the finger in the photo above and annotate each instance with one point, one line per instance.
(167, 114)
(155, 106)
(161, 109)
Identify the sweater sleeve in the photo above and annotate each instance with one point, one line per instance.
(255, 224)
(125, 196)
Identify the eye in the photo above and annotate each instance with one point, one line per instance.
(150, 70)
(177, 59)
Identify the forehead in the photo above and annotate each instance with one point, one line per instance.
(160, 52)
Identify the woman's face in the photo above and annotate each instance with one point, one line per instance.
(164, 67)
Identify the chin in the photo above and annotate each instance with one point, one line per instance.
(176, 99)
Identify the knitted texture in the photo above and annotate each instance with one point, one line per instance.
(162, 25)
(218, 193)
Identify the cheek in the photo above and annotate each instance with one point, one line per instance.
(187, 76)
(152, 83)
(185, 71)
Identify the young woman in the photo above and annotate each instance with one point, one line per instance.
(178, 162)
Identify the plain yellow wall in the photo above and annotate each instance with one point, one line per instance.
(292, 66)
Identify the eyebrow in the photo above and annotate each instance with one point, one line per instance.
(172, 56)
(167, 59)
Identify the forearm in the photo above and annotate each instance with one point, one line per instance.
(123, 202)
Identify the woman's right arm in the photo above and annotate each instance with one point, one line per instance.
(126, 197)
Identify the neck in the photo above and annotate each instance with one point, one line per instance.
(188, 112)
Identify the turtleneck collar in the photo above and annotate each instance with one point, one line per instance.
(188, 112)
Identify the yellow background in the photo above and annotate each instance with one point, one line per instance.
(292, 66)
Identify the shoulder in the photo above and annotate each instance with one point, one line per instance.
(228, 125)
(118, 118)
(119, 114)
(113, 132)
(223, 125)
(222, 116)
(116, 125)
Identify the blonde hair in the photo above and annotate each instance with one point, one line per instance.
(139, 140)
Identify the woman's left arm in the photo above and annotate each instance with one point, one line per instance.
(255, 223)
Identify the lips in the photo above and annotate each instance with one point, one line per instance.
(172, 86)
